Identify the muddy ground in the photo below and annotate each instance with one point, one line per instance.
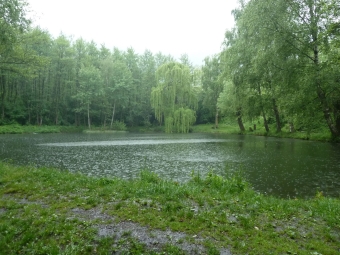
(154, 239)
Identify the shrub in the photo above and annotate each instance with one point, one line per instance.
(119, 125)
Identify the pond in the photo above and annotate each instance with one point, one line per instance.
(276, 166)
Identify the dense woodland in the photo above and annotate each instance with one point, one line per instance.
(280, 65)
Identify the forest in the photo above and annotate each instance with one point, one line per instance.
(279, 67)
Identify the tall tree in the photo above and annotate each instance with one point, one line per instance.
(161, 59)
(90, 88)
(300, 33)
(231, 102)
(38, 95)
(148, 80)
(17, 57)
(174, 99)
(133, 110)
(80, 57)
(121, 87)
(13, 22)
(62, 71)
(212, 84)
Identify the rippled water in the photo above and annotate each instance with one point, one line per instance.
(282, 167)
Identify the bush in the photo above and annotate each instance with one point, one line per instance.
(119, 125)
(11, 129)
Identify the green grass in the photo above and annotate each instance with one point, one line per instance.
(19, 129)
(316, 135)
(35, 206)
(96, 131)
(26, 129)
(321, 134)
(210, 128)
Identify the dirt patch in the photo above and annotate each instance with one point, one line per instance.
(154, 239)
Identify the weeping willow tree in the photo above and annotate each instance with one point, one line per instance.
(174, 100)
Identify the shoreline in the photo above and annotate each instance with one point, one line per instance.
(44, 207)
(201, 128)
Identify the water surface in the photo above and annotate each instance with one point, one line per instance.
(281, 167)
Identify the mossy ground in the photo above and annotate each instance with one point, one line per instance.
(37, 215)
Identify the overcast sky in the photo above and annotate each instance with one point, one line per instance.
(175, 27)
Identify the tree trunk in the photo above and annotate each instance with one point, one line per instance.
(104, 120)
(277, 116)
(291, 127)
(262, 108)
(56, 117)
(88, 115)
(322, 97)
(336, 114)
(216, 118)
(265, 122)
(3, 93)
(76, 119)
(326, 109)
(29, 111)
(3, 110)
(239, 120)
(113, 114)
(327, 114)
(39, 119)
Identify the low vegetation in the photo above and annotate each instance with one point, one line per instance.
(320, 134)
(31, 129)
(224, 128)
(47, 211)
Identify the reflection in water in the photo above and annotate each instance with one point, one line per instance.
(282, 167)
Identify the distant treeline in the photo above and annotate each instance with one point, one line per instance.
(280, 65)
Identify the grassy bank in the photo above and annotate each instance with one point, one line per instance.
(316, 135)
(87, 131)
(46, 211)
(30, 129)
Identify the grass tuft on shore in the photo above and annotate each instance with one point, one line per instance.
(36, 217)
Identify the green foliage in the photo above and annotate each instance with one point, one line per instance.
(174, 99)
(278, 59)
(11, 129)
(234, 184)
(119, 125)
(12, 22)
(90, 84)
(149, 177)
(45, 80)
(183, 119)
(19, 129)
(212, 84)
(276, 66)
(230, 127)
